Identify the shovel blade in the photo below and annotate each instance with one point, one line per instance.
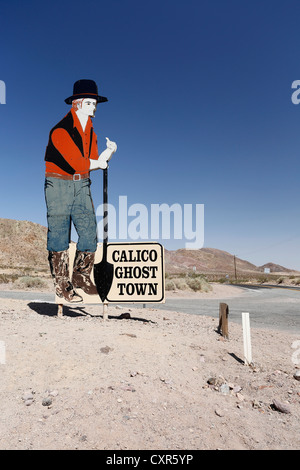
(103, 276)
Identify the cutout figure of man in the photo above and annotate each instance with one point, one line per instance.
(71, 154)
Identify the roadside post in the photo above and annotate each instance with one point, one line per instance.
(223, 320)
(247, 338)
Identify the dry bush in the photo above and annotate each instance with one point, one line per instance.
(26, 282)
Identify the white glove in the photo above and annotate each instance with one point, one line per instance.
(112, 146)
(104, 157)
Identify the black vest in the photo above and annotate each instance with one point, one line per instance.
(53, 155)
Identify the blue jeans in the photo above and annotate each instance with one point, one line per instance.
(70, 201)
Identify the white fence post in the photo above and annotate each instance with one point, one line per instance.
(247, 338)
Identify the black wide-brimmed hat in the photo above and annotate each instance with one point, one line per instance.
(85, 89)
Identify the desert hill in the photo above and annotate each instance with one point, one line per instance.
(205, 260)
(275, 268)
(23, 244)
(214, 261)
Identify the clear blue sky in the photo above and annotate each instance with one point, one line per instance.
(199, 105)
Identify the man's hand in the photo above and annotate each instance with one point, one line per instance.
(102, 162)
(111, 146)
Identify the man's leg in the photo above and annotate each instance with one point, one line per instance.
(59, 266)
(84, 219)
(59, 200)
(58, 195)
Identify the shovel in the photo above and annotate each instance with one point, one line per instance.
(104, 271)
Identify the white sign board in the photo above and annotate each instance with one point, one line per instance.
(138, 273)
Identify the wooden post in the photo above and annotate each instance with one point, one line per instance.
(247, 338)
(223, 320)
(60, 310)
(105, 315)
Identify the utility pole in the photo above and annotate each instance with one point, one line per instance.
(234, 266)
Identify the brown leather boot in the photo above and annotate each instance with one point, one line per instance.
(59, 266)
(83, 265)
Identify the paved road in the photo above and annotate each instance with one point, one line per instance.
(268, 307)
(274, 308)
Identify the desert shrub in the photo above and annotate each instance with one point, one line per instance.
(262, 280)
(6, 278)
(170, 285)
(30, 282)
(198, 284)
(180, 283)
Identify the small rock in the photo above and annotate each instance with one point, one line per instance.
(53, 393)
(282, 407)
(106, 349)
(256, 404)
(212, 381)
(219, 412)
(224, 389)
(28, 402)
(47, 401)
(133, 374)
(28, 395)
(132, 335)
(297, 375)
(165, 380)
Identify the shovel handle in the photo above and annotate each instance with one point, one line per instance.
(105, 211)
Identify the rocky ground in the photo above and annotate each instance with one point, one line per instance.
(143, 379)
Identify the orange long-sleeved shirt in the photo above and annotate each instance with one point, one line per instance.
(67, 148)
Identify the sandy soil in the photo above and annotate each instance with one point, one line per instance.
(155, 380)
